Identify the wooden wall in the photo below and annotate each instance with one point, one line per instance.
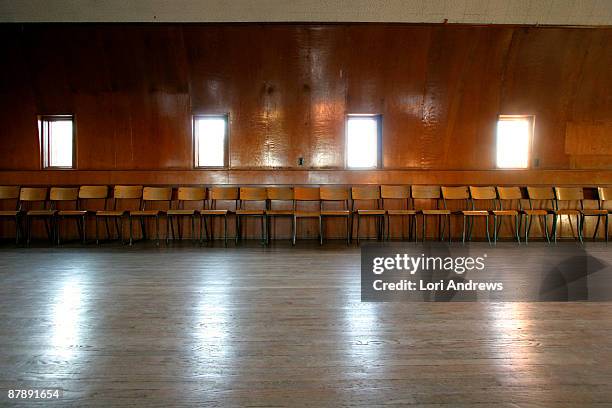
(287, 89)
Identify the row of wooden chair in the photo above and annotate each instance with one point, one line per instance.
(502, 202)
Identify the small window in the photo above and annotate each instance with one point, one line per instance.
(210, 140)
(514, 134)
(56, 134)
(363, 141)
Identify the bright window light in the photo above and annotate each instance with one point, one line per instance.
(513, 139)
(57, 141)
(362, 141)
(210, 134)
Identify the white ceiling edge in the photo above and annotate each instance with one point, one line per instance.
(531, 12)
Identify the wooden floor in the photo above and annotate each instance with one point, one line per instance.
(280, 326)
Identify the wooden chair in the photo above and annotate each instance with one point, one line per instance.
(301, 195)
(487, 195)
(508, 195)
(29, 196)
(68, 195)
(120, 194)
(86, 193)
(545, 194)
(431, 193)
(371, 194)
(220, 194)
(604, 194)
(399, 193)
(11, 193)
(150, 195)
(249, 195)
(462, 194)
(185, 195)
(569, 194)
(279, 194)
(335, 194)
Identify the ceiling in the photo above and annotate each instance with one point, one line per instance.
(548, 12)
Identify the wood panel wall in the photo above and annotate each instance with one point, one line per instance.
(287, 89)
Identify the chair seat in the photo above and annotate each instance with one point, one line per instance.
(109, 213)
(536, 212)
(307, 214)
(72, 212)
(336, 213)
(567, 212)
(371, 212)
(181, 212)
(435, 212)
(401, 212)
(475, 212)
(41, 213)
(595, 212)
(9, 213)
(145, 213)
(505, 212)
(279, 212)
(250, 212)
(214, 212)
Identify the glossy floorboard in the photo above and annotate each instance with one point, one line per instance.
(281, 326)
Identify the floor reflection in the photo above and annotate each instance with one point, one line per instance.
(66, 319)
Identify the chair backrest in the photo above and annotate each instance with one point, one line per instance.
(395, 192)
(569, 193)
(604, 193)
(455, 193)
(365, 193)
(253, 194)
(93, 192)
(280, 193)
(334, 193)
(306, 193)
(64, 193)
(483, 193)
(191, 193)
(541, 193)
(9, 192)
(426, 192)
(509, 193)
(33, 194)
(157, 194)
(224, 193)
(127, 192)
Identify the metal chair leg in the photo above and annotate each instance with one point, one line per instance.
(131, 233)
(17, 228)
(294, 228)
(157, 230)
(321, 231)
(193, 230)
(463, 232)
(348, 232)
(488, 233)
(546, 227)
(495, 229)
(358, 222)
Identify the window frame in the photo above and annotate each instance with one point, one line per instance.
(379, 140)
(43, 141)
(195, 146)
(531, 137)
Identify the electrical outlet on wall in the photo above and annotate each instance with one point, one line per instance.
(536, 162)
(300, 161)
